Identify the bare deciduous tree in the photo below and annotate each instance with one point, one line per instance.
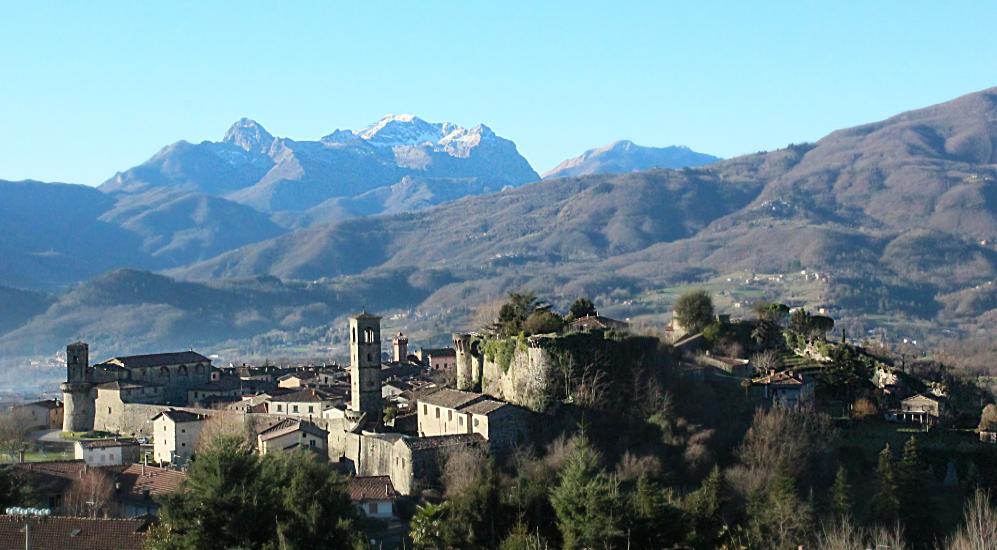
(979, 528)
(463, 468)
(228, 425)
(92, 495)
(14, 432)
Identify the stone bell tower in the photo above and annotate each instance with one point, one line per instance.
(77, 390)
(365, 367)
(399, 348)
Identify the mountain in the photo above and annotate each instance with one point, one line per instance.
(899, 215)
(897, 218)
(626, 156)
(280, 175)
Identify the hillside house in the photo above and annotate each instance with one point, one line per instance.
(451, 412)
(374, 496)
(291, 434)
(175, 435)
(924, 409)
(106, 452)
(784, 388)
(40, 415)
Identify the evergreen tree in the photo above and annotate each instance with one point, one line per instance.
(705, 508)
(655, 522)
(586, 502)
(915, 501)
(780, 518)
(694, 310)
(841, 495)
(886, 501)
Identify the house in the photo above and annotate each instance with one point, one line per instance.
(922, 408)
(139, 487)
(106, 452)
(175, 435)
(69, 486)
(441, 359)
(71, 533)
(290, 434)
(40, 415)
(305, 403)
(785, 388)
(449, 412)
(596, 322)
(374, 496)
(296, 380)
(223, 386)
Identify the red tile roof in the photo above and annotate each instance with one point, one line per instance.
(158, 481)
(67, 533)
(371, 488)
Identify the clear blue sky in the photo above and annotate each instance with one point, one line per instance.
(90, 88)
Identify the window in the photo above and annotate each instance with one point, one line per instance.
(368, 335)
(311, 443)
(371, 507)
(182, 371)
(183, 431)
(475, 422)
(425, 409)
(449, 415)
(354, 336)
(460, 419)
(183, 444)
(109, 410)
(280, 408)
(311, 409)
(295, 408)
(437, 412)
(164, 372)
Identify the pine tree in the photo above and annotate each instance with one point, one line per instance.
(586, 501)
(886, 503)
(841, 495)
(915, 502)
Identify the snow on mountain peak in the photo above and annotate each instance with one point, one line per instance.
(410, 130)
(249, 135)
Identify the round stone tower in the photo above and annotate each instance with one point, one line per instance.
(77, 390)
(465, 373)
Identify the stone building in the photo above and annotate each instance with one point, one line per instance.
(306, 403)
(40, 415)
(438, 359)
(98, 396)
(450, 412)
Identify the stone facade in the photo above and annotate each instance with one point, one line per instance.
(365, 366)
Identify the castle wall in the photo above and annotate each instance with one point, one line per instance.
(77, 407)
(524, 382)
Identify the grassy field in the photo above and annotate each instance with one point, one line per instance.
(39, 456)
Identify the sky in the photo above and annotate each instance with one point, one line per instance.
(91, 88)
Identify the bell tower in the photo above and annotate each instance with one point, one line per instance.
(365, 367)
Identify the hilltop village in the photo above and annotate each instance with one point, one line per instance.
(400, 426)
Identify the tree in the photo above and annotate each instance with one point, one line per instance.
(586, 501)
(846, 371)
(767, 360)
(979, 525)
(705, 507)
(13, 491)
(543, 322)
(426, 527)
(514, 313)
(886, 501)
(655, 522)
(780, 518)
(233, 498)
(915, 507)
(520, 538)
(581, 307)
(841, 495)
(92, 495)
(694, 310)
(14, 432)
(988, 419)
(772, 312)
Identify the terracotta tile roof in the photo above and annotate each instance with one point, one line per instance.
(308, 395)
(180, 417)
(159, 359)
(487, 406)
(105, 443)
(158, 481)
(450, 398)
(784, 378)
(126, 385)
(57, 468)
(66, 533)
(47, 403)
(442, 441)
(439, 352)
(371, 488)
(291, 425)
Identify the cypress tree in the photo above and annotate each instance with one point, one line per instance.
(586, 501)
(886, 502)
(841, 495)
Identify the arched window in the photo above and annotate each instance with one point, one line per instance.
(182, 371)
(164, 372)
(368, 335)
(199, 369)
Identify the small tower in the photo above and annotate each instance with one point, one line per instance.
(399, 348)
(77, 390)
(365, 367)
(462, 348)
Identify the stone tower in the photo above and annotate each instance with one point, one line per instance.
(77, 390)
(365, 367)
(399, 348)
(462, 348)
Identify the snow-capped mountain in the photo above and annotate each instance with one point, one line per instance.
(627, 156)
(275, 174)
